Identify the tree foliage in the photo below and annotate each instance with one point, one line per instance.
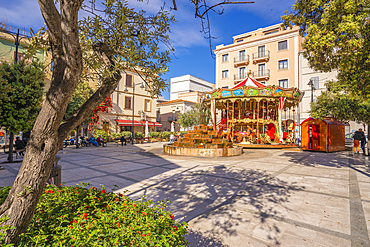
(192, 116)
(337, 36)
(82, 93)
(22, 88)
(344, 106)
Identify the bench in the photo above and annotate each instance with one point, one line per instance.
(143, 139)
(16, 151)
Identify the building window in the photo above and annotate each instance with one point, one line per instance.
(147, 105)
(225, 58)
(125, 128)
(128, 80)
(315, 81)
(261, 69)
(242, 74)
(283, 64)
(225, 74)
(128, 101)
(242, 55)
(106, 126)
(282, 45)
(283, 83)
(261, 51)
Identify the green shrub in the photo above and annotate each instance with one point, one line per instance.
(86, 216)
(183, 133)
(139, 134)
(115, 135)
(128, 134)
(103, 134)
(155, 134)
(165, 134)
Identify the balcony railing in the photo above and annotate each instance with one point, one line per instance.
(261, 55)
(240, 77)
(241, 60)
(261, 74)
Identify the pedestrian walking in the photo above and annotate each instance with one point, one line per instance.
(172, 137)
(363, 143)
(357, 137)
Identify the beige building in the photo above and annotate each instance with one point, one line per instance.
(269, 55)
(131, 97)
(168, 112)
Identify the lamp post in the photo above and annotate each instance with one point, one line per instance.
(310, 83)
(133, 106)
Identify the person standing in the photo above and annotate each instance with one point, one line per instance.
(363, 143)
(357, 137)
(172, 137)
(123, 139)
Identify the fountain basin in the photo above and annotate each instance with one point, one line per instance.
(202, 152)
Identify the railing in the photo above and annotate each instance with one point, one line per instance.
(239, 77)
(261, 73)
(261, 55)
(241, 59)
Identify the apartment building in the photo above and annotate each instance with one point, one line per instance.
(131, 101)
(269, 55)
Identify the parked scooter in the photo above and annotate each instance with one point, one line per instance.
(69, 142)
(83, 141)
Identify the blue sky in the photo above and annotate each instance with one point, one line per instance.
(192, 55)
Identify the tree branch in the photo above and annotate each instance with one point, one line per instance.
(103, 92)
(213, 6)
(52, 19)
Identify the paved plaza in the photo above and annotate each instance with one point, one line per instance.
(262, 198)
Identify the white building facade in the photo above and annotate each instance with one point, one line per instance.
(187, 84)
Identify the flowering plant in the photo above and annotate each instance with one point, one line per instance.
(86, 216)
(105, 106)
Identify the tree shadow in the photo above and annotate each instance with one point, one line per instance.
(224, 201)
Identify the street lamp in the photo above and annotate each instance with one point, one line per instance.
(133, 106)
(310, 83)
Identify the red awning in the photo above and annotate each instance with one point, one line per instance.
(156, 124)
(249, 82)
(122, 122)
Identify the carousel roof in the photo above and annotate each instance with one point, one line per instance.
(249, 82)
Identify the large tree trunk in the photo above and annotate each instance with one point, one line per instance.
(48, 133)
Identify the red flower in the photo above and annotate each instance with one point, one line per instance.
(134, 205)
(94, 198)
(175, 228)
(117, 199)
(143, 235)
(46, 191)
(120, 195)
(85, 215)
(172, 217)
(103, 191)
(139, 232)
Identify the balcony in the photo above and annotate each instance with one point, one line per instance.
(240, 77)
(261, 56)
(241, 60)
(261, 74)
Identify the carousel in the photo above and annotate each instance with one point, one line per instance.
(256, 116)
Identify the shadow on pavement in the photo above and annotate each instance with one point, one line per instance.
(223, 201)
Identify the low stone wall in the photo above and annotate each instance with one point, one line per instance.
(202, 152)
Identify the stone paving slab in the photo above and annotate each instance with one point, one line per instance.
(261, 198)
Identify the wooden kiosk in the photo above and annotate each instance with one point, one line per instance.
(322, 135)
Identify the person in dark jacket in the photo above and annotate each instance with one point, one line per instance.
(123, 139)
(19, 145)
(357, 137)
(363, 143)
